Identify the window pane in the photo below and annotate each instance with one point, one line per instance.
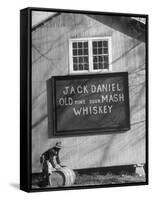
(106, 66)
(75, 67)
(105, 50)
(100, 44)
(80, 52)
(80, 55)
(100, 59)
(85, 44)
(86, 59)
(95, 66)
(74, 52)
(75, 60)
(80, 67)
(74, 45)
(95, 44)
(100, 54)
(86, 66)
(80, 59)
(95, 59)
(79, 44)
(95, 51)
(105, 43)
(85, 51)
(106, 59)
(100, 65)
(100, 51)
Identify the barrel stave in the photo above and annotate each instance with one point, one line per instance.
(63, 177)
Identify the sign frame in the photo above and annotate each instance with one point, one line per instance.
(52, 110)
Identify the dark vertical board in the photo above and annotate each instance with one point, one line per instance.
(24, 101)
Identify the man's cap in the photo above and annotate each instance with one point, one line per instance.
(58, 145)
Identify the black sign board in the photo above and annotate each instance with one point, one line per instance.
(88, 104)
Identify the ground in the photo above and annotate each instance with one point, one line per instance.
(97, 179)
(84, 179)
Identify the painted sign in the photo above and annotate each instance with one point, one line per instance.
(88, 104)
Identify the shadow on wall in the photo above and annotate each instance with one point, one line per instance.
(95, 149)
(126, 25)
(39, 121)
(138, 98)
(107, 148)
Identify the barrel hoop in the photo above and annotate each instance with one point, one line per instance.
(66, 173)
(71, 174)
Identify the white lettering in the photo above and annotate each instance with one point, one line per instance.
(89, 110)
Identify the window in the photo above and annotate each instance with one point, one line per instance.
(90, 55)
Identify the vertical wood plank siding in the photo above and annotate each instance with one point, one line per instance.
(50, 57)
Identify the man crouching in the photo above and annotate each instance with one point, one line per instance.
(50, 162)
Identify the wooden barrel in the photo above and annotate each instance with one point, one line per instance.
(63, 177)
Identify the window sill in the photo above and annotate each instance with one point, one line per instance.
(86, 72)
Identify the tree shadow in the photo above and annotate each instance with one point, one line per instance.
(126, 25)
(107, 148)
(39, 121)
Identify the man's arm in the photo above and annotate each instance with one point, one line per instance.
(51, 159)
(52, 162)
(58, 159)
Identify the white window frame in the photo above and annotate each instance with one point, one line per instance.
(90, 40)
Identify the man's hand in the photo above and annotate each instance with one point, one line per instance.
(57, 167)
(63, 165)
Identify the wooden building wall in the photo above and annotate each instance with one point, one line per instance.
(50, 56)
